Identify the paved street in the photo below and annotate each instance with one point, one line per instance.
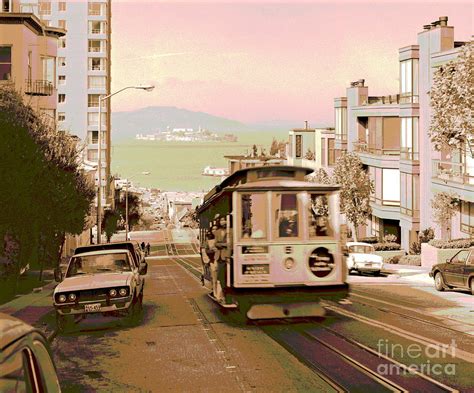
(185, 343)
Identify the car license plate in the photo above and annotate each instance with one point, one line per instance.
(92, 307)
(368, 264)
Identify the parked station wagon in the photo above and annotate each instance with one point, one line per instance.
(360, 257)
(104, 281)
(456, 272)
(25, 360)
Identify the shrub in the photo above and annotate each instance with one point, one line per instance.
(386, 246)
(393, 260)
(424, 236)
(369, 239)
(413, 260)
(389, 238)
(455, 243)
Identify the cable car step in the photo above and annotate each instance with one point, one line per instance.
(225, 305)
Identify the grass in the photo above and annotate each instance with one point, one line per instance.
(26, 284)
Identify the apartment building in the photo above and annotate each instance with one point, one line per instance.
(28, 51)
(82, 72)
(390, 135)
(312, 147)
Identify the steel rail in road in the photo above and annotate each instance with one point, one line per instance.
(357, 293)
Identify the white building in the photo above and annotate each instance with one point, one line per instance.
(83, 69)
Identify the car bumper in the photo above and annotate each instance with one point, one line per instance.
(370, 268)
(111, 306)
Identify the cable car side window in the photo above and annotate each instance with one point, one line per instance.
(287, 214)
(254, 218)
(319, 216)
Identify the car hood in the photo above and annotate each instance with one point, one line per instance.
(366, 258)
(94, 281)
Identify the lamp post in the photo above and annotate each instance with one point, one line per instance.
(126, 204)
(99, 158)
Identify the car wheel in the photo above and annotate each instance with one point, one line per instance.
(64, 322)
(439, 282)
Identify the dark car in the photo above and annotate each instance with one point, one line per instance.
(25, 360)
(456, 272)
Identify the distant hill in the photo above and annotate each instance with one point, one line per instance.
(150, 120)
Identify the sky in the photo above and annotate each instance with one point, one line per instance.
(259, 61)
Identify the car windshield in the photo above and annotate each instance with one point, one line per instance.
(101, 263)
(361, 249)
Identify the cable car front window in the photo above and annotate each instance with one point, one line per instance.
(287, 215)
(254, 207)
(319, 219)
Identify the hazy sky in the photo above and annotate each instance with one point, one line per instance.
(262, 61)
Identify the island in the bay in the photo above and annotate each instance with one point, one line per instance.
(186, 135)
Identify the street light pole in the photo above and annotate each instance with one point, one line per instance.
(99, 157)
(127, 229)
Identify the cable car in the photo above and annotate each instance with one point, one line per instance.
(270, 243)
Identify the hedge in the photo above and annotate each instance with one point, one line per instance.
(414, 260)
(386, 246)
(455, 243)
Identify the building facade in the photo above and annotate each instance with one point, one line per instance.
(82, 72)
(390, 134)
(28, 51)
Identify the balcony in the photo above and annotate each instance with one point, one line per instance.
(453, 172)
(38, 87)
(363, 147)
(407, 153)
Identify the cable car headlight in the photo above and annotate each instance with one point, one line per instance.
(289, 263)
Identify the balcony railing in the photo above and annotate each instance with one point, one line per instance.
(384, 202)
(452, 171)
(38, 87)
(408, 98)
(408, 154)
(363, 147)
(382, 100)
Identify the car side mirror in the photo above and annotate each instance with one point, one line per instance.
(58, 274)
(143, 269)
(448, 260)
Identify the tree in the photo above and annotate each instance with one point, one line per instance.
(310, 155)
(274, 147)
(134, 209)
(254, 151)
(452, 102)
(356, 188)
(46, 195)
(445, 205)
(320, 176)
(110, 222)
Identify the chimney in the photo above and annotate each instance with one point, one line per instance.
(306, 124)
(426, 27)
(443, 20)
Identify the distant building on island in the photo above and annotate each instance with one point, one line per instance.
(186, 135)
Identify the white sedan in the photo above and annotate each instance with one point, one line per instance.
(361, 258)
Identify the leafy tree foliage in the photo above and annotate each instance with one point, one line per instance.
(356, 187)
(45, 193)
(445, 205)
(320, 176)
(452, 102)
(310, 155)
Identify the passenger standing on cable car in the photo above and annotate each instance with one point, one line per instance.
(223, 256)
(211, 252)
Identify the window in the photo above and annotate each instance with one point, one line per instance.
(467, 217)
(61, 98)
(341, 124)
(93, 100)
(61, 62)
(298, 146)
(93, 119)
(319, 221)
(93, 137)
(331, 155)
(460, 257)
(49, 69)
(254, 217)
(44, 7)
(374, 226)
(62, 6)
(96, 82)
(6, 6)
(409, 138)
(286, 212)
(30, 63)
(96, 64)
(409, 81)
(391, 187)
(5, 63)
(97, 9)
(97, 46)
(62, 79)
(92, 155)
(62, 24)
(62, 43)
(97, 27)
(409, 195)
(61, 116)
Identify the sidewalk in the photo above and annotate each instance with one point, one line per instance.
(404, 270)
(33, 308)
